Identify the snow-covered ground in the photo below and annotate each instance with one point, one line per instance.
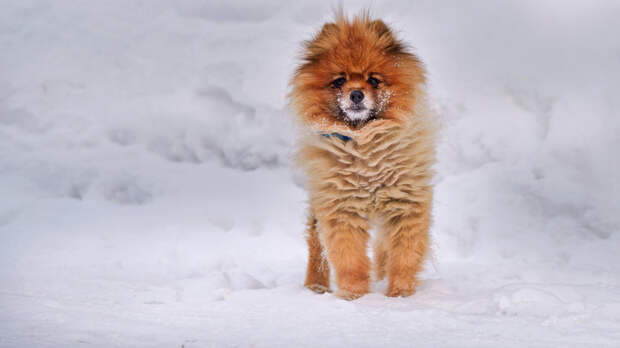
(147, 197)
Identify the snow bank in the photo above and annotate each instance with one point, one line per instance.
(148, 200)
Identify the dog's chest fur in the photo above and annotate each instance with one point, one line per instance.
(388, 168)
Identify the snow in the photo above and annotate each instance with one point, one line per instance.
(148, 198)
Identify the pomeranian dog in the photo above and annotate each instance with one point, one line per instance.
(367, 149)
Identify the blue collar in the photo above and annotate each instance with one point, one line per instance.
(337, 135)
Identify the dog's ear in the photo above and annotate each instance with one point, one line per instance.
(380, 28)
(328, 29)
(320, 42)
(392, 45)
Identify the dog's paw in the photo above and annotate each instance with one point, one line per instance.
(348, 295)
(318, 288)
(400, 292)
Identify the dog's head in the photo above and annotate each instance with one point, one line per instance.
(353, 72)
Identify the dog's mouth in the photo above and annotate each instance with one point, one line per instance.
(357, 108)
(357, 115)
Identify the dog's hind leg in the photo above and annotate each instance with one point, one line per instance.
(317, 274)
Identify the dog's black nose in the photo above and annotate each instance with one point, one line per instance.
(357, 96)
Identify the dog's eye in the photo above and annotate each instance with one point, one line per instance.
(337, 83)
(374, 82)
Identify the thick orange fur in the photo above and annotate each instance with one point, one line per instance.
(382, 175)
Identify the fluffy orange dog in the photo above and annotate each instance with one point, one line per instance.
(368, 152)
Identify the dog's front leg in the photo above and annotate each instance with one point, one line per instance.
(407, 231)
(346, 238)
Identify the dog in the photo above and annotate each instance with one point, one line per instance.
(367, 147)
